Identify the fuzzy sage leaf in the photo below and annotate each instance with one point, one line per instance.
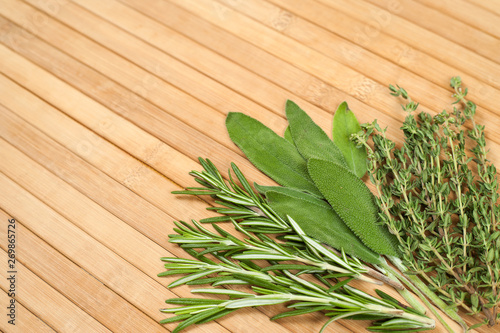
(353, 202)
(319, 221)
(269, 152)
(311, 141)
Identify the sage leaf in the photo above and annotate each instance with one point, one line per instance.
(288, 135)
(319, 221)
(344, 125)
(311, 141)
(352, 201)
(269, 152)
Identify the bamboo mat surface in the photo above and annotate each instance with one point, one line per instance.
(105, 107)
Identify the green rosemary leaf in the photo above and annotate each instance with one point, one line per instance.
(175, 318)
(228, 292)
(344, 125)
(287, 267)
(331, 320)
(243, 181)
(223, 218)
(179, 260)
(193, 301)
(195, 192)
(340, 284)
(213, 249)
(211, 280)
(224, 282)
(216, 316)
(269, 152)
(253, 255)
(336, 275)
(178, 271)
(386, 297)
(197, 318)
(255, 301)
(300, 312)
(191, 277)
(311, 141)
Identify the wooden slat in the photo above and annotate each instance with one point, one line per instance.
(29, 323)
(422, 39)
(91, 295)
(470, 14)
(493, 6)
(439, 22)
(42, 299)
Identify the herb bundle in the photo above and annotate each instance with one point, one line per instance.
(432, 217)
(441, 202)
(290, 256)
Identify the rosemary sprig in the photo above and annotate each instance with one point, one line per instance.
(314, 257)
(236, 202)
(242, 203)
(276, 285)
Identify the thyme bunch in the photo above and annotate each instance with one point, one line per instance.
(440, 200)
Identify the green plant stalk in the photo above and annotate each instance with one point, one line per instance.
(405, 293)
(422, 291)
(487, 177)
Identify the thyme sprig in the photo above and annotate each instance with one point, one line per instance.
(441, 202)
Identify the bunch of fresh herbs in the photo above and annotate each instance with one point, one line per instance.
(431, 215)
(290, 255)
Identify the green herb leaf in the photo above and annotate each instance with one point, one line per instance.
(311, 141)
(299, 312)
(288, 135)
(269, 152)
(344, 125)
(353, 202)
(319, 221)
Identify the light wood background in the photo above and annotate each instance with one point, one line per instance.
(106, 105)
